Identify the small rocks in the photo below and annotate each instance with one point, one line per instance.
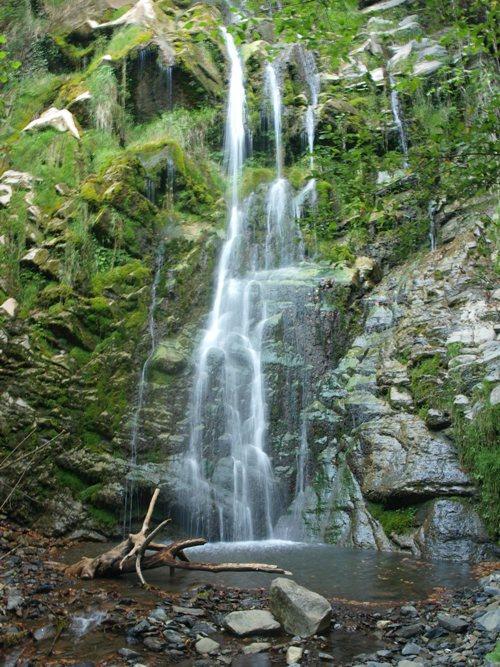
(255, 621)
(411, 630)
(188, 611)
(207, 646)
(409, 610)
(301, 612)
(129, 654)
(436, 420)
(452, 623)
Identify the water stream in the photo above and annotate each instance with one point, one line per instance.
(230, 492)
(398, 119)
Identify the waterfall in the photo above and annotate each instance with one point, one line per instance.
(398, 119)
(431, 211)
(228, 489)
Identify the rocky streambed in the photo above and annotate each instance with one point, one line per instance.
(47, 619)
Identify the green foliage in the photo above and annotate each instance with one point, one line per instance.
(394, 520)
(7, 68)
(477, 441)
(427, 387)
(494, 656)
(102, 517)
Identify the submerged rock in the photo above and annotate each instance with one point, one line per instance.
(301, 611)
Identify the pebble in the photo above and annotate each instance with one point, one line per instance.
(207, 646)
(452, 623)
(256, 647)
(411, 649)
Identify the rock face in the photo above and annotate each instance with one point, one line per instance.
(300, 611)
(252, 622)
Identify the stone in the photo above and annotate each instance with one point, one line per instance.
(409, 610)
(381, 625)
(301, 611)
(159, 614)
(410, 663)
(46, 632)
(400, 398)
(379, 318)
(14, 600)
(490, 621)
(60, 119)
(399, 456)
(10, 306)
(495, 395)
(188, 611)
(452, 623)
(411, 630)
(6, 193)
(129, 654)
(294, 655)
(173, 637)
(20, 179)
(254, 621)
(411, 649)
(436, 420)
(453, 530)
(153, 644)
(256, 647)
(207, 646)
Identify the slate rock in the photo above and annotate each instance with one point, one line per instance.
(251, 622)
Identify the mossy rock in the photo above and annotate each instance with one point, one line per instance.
(170, 357)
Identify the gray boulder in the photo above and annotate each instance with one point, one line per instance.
(452, 623)
(490, 621)
(251, 622)
(452, 530)
(300, 611)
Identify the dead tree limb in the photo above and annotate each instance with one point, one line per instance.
(138, 552)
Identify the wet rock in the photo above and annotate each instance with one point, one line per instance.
(410, 663)
(140, 628)
(207, 646)
(409, 610)
(452, 623)
(256, 621)
(379, 318)
(294, 655)
(256, 647)
(300, 611)
(60, 119)
(174, 638)
(129, 654)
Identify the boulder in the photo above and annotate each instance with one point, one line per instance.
(490, 621)
(21, 179)
(251, 622)
(301, 611)
(452, 530)
(60, 119)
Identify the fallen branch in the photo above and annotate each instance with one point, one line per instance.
(132, 554)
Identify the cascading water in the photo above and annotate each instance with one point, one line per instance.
(229, 488)
(431, 211)
(398, 119)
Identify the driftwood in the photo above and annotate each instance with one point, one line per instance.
(132, 554)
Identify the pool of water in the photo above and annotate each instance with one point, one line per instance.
(332, 571)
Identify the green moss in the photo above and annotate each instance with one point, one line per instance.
(494, 656)
(255, 176)
(477, 441)
(454, 350)
(427, 388)
(102, 517)
(393, 521)
(69, 480)
(89, 494)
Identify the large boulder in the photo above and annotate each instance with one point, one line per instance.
(300, 611)
(251, 622)
(452, 530)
